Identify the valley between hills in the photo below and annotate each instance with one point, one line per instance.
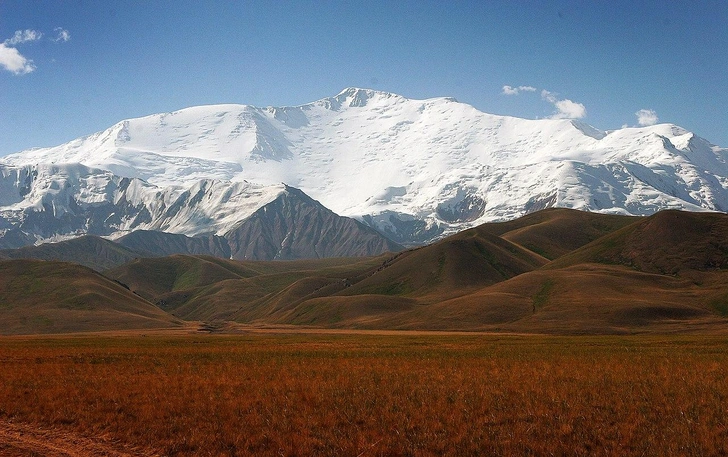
(556, 271)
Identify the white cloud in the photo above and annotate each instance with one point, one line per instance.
(565, 109)
(646, 117)
(62, 35)
(23, 36)
(508, 90)
(569, 110)
(14, 62)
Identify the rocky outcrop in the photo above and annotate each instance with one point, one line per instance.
(295, 226)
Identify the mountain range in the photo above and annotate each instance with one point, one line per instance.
(360, 173)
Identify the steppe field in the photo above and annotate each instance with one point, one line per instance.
(363, 394)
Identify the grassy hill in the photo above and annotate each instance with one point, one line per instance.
(669, 242)
(454, 266)
(55, 297)
(206, 288)
(558, 231)
(556, 271)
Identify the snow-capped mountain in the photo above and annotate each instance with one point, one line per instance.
(42, 203)
(414, 169)
(82, 200)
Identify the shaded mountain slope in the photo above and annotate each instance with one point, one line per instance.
(91, 251)
(57, 297)
(15, 238)
(41, 203)
(158, 244)
(295, 226)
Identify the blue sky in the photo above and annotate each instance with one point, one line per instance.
(71, 68)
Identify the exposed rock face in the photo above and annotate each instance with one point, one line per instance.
(469, 209)
(294, 226)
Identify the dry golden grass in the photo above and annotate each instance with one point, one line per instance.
(359, 394)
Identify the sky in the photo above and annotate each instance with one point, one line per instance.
(70, 68)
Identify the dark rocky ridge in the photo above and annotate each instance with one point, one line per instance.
(295, 226)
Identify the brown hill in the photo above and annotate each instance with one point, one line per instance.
(268, 296)
(612, 274)
(206, 288)
(554, 232)
(669, 242)
(482, 279)
(54, 297)
(570, 295)
(454, 266)
(155, 276)
(584, 299)
(589, 299)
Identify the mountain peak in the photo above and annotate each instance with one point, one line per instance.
(358, 97)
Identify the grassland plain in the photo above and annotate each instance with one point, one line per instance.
(374, 394)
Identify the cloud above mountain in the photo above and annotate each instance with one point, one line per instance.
(565, 108)
(23, 36)
(13, 61)
(646, 117)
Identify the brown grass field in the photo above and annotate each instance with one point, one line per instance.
(365, 394)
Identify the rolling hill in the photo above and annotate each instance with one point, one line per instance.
(608, 274)
(57, 297)
(670, 242)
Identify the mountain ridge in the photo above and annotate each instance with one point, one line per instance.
(55, 202)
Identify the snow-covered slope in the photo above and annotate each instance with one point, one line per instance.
(54, 202)
(414, 169)
(45, 203)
